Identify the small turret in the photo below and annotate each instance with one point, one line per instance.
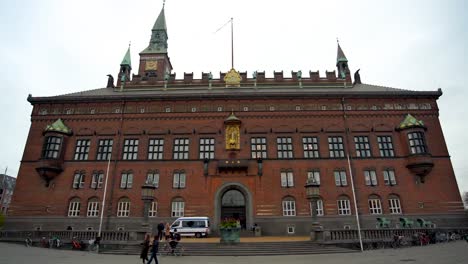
(125, 69)
(342, 64)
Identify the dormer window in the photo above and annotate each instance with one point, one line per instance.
(51, 148)
(417, 143)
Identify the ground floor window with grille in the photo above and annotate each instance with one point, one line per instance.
(178, 208)
(93, 208)
(123, 208)
(320, 211)
(394, 204)
(153, 210)
(74, 208)
(289, 207)
(375, 207)
(344, 207)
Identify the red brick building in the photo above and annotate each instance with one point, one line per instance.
(238, 146)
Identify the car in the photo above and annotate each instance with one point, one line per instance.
(192, 226)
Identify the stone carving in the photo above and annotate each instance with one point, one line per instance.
(232, 78)
(357, 77)
(110, 81)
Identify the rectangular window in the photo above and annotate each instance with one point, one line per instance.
(207, 146)
(123, 209)
(394, 206)
(177, 209)
(155, 148)
(344, 207)
(320, 211)
(93, 209)
(104, 150)
(51, 147)
(130, 149)
(152, 178)
(386, 146)
(97, 180)
(314, 174)
(335, 147)
(287, 179)
(74, 208)
(362, 146)
(285, 148)
(289, 208)
(179, 180)
(181, 148)
(389, 177)
(258, 147)
(311, 147)
(126, 180)
(375, 207)
(340, 178)
(370, 177)
(417, 143)
(153, 210)
(78, 180)
(82, 149)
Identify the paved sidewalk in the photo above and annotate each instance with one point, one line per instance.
(445, 253)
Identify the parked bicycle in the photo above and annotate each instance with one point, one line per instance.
(55, 242)
(28, 241)
(398, 241)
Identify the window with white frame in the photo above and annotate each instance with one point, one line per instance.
(285, 147)
(97, 179)
(315, 175)
(177, 208)
(287, 179)
(93, 208)
(417, 143)
(123, 207)
(289, 207)
(385, 146)
(362, 145)
(344, 207)
(394, 204)
(104, 150)
(82, 149)
(179, 179)
(126, 180)
(310, 146)
(155, 148)
(207, 146)
(181, 148)
(336, 147)
(258, 147)
(319, 211)
(389, 177)
(375, 206)
(74, 207)
(153, 209)
(152, 178)
(51, 147)
(340, 178)
(370, 177)
(130, 149)
(78, 180)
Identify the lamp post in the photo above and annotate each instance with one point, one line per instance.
(313, 195)
(147, 195)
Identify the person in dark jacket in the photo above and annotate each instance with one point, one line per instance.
(160, 231)
(145, 248)
(154, 250)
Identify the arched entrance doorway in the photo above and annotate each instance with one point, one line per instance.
(233, 206)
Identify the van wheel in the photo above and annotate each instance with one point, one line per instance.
(197, 235)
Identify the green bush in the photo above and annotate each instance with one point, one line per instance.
(228, 223)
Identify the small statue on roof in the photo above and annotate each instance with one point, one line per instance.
(110, 81)
(357, 77)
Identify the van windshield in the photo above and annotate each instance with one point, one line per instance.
(175, 224)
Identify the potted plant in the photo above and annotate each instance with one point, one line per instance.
(230, 230)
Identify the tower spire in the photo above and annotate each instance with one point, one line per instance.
(158, 41)
(341, 62)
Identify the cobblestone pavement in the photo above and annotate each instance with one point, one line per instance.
(445, 253)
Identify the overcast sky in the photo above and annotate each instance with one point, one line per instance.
(53, 47)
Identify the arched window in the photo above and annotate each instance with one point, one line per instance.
(344, 206)
(74, 207)
(123, 207)
(375, 206)
(394, 204)
(153, 210)
(178, 206)
(93, 207)
(289, 206)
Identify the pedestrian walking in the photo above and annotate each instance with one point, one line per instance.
(154, 250)
(167, 231)
(145, 248)
(160, 231)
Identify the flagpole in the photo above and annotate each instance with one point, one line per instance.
(104, 198)
(232, 43)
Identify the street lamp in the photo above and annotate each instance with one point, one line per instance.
(147, 195)
(313, 195)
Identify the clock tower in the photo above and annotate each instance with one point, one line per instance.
(154, 61)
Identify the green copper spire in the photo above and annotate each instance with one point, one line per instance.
(58, 126)
(410, 121)
(340, 57)
(126, 60)
(158, 41)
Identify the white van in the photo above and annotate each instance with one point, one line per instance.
(192, 226)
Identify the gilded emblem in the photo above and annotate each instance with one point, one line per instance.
(232, 78)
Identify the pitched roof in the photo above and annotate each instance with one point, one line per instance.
(410, 121)
(340, 55)
(58, 126)
(127, 60)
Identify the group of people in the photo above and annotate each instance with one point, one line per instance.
(171, 238)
